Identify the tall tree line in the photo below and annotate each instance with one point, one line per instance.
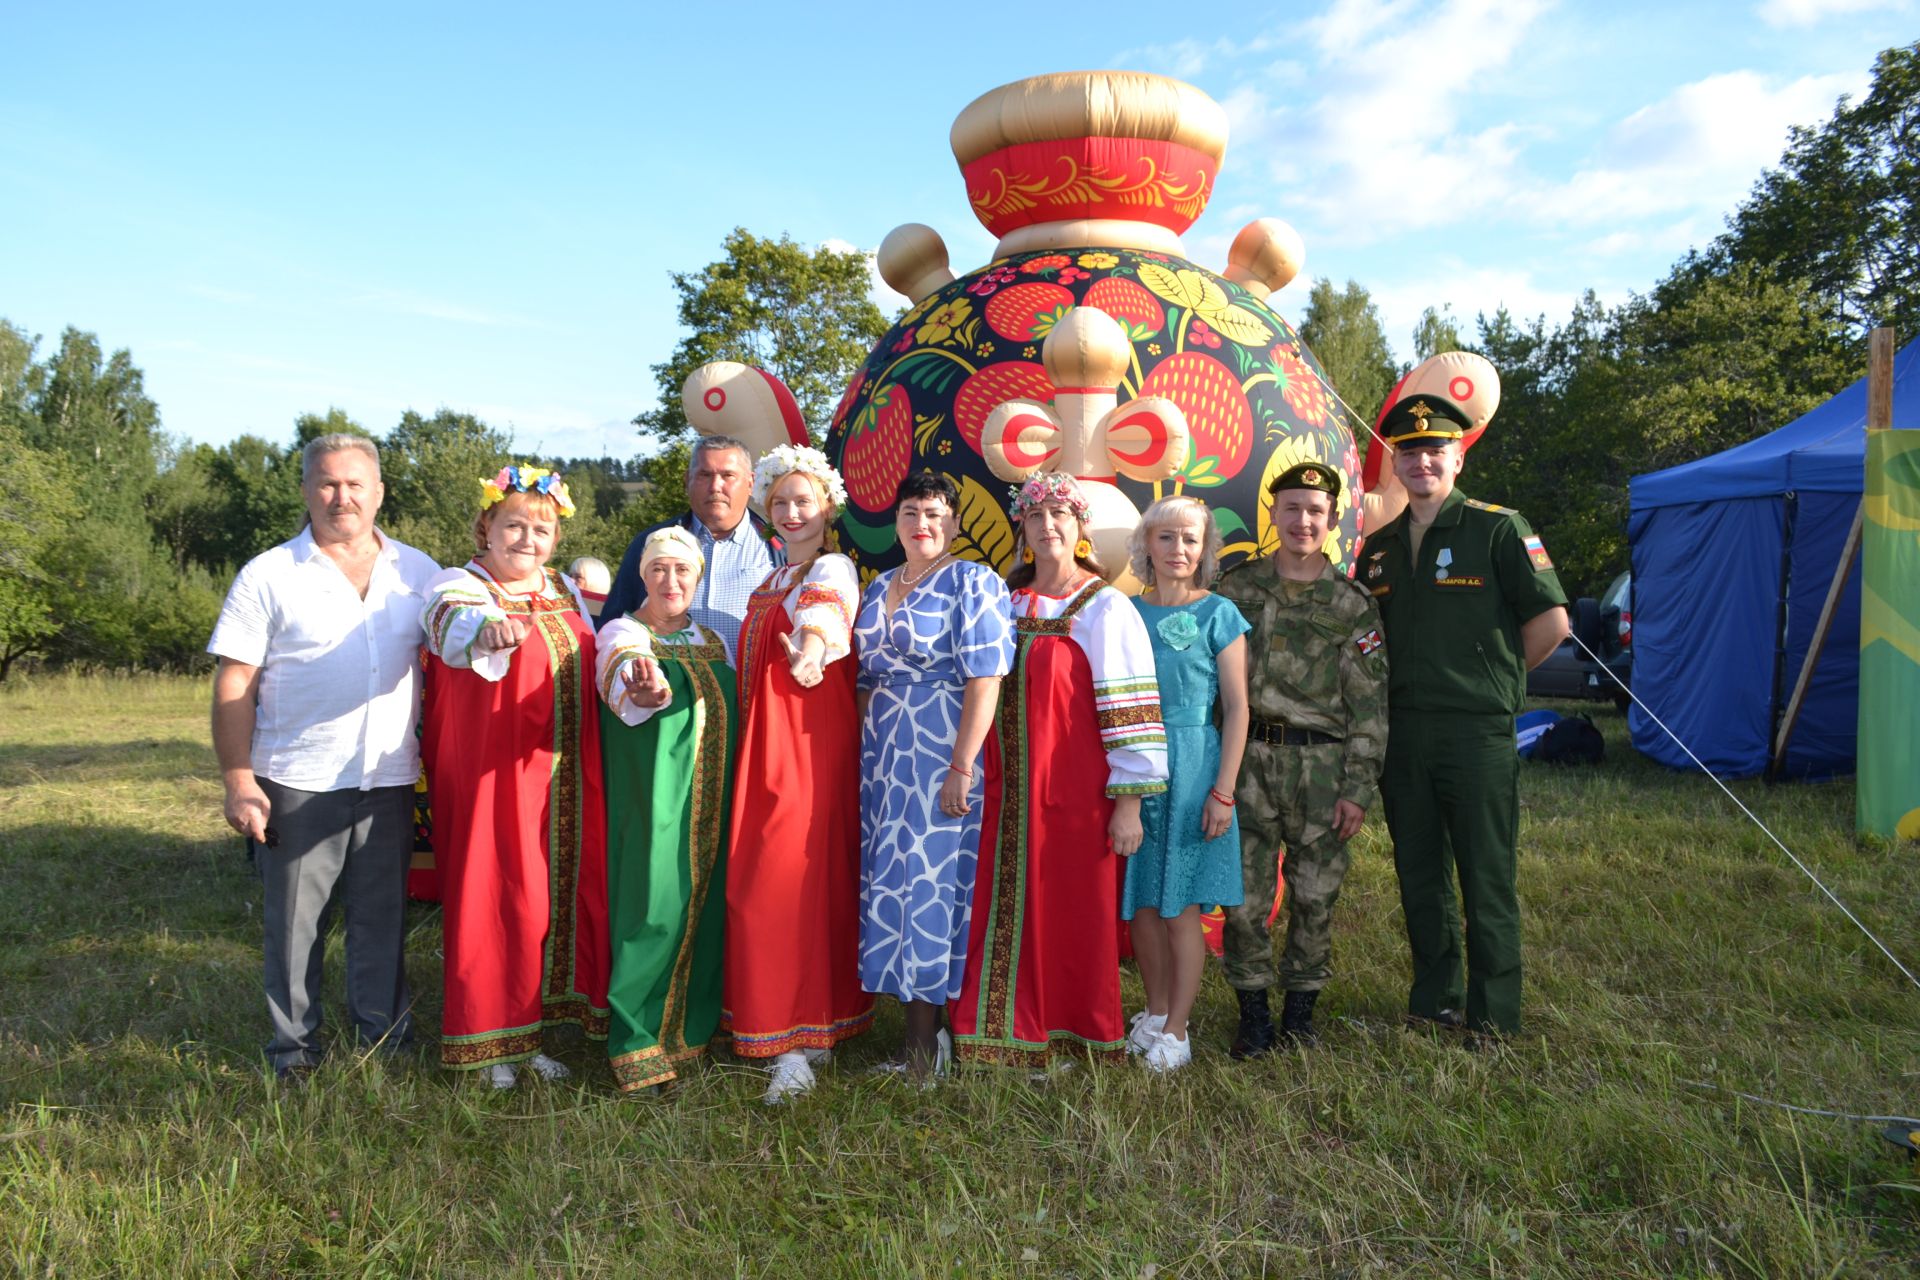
(117, 542)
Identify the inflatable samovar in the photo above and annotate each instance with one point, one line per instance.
(1090, 343)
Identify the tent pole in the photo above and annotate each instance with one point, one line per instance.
(1879, 418)
(1831, 606)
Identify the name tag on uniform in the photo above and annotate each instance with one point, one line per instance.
(1384, 588)
(1463, 581)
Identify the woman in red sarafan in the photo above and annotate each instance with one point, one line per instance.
(1080, 742)
(793, 871)
(511, 742)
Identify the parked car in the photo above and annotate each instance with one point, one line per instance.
(1605, 627)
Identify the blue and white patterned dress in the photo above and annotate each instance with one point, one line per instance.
(917, 864)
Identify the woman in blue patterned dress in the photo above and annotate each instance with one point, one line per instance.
(1189, 861)
(934, 636)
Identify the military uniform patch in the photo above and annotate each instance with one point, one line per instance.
(1537, 552)
(1368, 642)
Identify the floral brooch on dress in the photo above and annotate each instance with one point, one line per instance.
(1179, 630)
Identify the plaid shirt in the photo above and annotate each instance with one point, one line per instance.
(735, 566)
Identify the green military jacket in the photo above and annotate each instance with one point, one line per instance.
(1316, 660)
(1453, 620)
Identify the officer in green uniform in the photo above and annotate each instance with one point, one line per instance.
(1470, 602)
(1316, 688)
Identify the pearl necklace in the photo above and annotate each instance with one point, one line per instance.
(910, 583)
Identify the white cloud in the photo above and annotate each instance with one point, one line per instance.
(1188, 58)
(1381, 145)
(1699, 149)
(1806, 13)
(882, 293)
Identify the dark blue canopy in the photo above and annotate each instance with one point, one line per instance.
(1732, 558)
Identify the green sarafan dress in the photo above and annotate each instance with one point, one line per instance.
(669, 775)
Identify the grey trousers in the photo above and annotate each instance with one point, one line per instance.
(361, 841)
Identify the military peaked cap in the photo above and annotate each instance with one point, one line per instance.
(1424, 417)
(1308, 475)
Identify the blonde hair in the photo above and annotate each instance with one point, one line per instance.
(1166, 512)
(539, 503)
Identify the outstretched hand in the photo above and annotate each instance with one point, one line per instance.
(646, 685)
(805, 666)
(507, 633)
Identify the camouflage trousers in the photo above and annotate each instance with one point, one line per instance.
(1285, 797)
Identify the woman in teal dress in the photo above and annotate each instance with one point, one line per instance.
(1189, 862)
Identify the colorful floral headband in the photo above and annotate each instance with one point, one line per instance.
(1050, 486)
(783, 460)
(526, 480)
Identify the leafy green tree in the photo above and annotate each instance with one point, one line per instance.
(36, 505)
(804, 315)
(1843, 209)
(432, 468)
(94, 409)
(309, 427)
(262, 506)
(21, 380)
(1436, 333)
(1342, 329)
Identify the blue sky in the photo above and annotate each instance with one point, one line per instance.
(280, 209)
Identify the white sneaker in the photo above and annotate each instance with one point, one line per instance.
(1169, 1054)
(818, 1057)
(501, 1075)
(1145, 1029)
(547, 1069)
(791, 1077)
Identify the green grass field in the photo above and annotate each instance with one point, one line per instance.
(1668, 945)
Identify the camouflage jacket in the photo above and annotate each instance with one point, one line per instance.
(1316, 660)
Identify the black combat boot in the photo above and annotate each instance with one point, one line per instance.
(1255, 1036)
(1296, 1018)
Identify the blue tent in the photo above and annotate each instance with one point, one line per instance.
(1732, 558)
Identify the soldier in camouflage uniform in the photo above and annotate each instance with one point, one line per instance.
(1317, 688)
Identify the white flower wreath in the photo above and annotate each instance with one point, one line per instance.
(783, 460)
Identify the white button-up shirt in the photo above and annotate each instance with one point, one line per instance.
(339, 690)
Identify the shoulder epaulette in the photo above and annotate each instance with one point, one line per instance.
(1488, 506)
(1354, 585)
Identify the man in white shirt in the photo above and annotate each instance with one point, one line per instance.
(738, 554)
(314, 705)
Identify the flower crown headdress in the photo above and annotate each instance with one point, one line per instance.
(781, 461)
(518, 479)
(1050, 486)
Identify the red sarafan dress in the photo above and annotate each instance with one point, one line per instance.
(793, 870)
(1078, 724)
(511, 743)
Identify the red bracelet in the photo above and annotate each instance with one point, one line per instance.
(1225, 801)
(965, 773)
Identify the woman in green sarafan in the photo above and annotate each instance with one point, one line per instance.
(667, 726)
